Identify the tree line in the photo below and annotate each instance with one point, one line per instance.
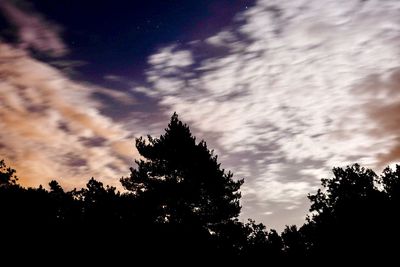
(179, 203)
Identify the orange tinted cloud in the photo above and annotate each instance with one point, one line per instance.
(382, 96)
(51, 126)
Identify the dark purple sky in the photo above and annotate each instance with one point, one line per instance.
(118, 36)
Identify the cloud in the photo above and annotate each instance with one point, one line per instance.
(223, 38)
(282, 90)
(52, 126)
(33, 30)
(382, 97)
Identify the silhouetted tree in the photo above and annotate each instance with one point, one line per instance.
(348, 186)
(182, 182)
(274, 246)
(391, 221)
(99, 203)
(7, 174)
(256, 244)
(346, 214)
(294, 244)
(180, 203)
(391, 183)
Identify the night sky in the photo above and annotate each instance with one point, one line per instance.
(283, 90)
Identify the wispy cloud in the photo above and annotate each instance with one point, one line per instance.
(51, 125)
(33, 30)
(281, 91)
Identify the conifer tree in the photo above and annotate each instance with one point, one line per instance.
(181, 180)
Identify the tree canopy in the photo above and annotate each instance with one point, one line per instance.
(180, 203)
(183, 179)
(7, 174)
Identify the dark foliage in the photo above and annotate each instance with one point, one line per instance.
(7, 175)
(181, 181)
(180, 205)
(354, 216)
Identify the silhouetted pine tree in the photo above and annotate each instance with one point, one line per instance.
(182, 182)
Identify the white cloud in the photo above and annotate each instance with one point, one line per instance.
(285, 86)
(279, 192)
(169, 61)
(224, 38)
